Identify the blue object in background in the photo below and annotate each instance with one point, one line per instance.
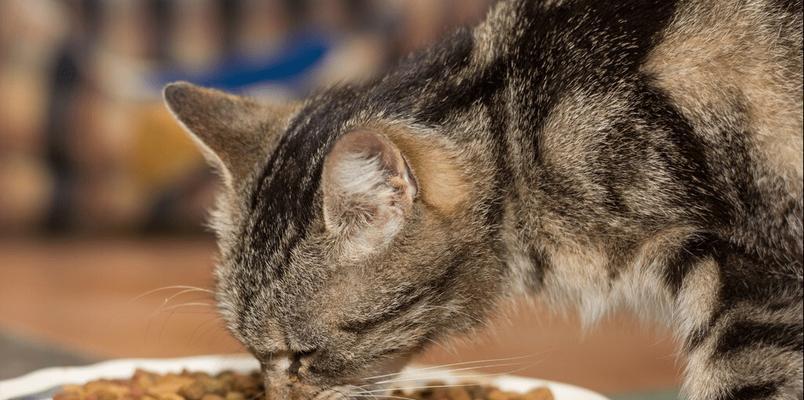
(285, 67)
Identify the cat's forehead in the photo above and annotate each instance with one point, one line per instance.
(281, 204)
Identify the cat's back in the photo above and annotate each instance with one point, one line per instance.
(735, 67)
(731, 67)
(719, 82)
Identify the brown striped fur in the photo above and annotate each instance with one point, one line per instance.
(638, 153)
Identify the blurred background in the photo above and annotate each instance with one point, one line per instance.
(103, 198)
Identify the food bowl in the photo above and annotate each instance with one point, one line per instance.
(42, 384)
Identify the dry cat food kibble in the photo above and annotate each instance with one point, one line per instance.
(441, 391)
(228, 385)
(186, 385)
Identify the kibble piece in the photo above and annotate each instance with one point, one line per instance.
(193, 391)
(169, 396)
(497, 394)
(68, 396)
(212, 385)
(538, 394)
(245, 383)
(106, 395)
(235, 396)
(459, 393)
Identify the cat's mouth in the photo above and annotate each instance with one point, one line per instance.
(294, 388)
(294, 377)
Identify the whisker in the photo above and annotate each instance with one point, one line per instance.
(367, 394)
(262, 393)
(163, 306)
(172, 312)
(352, 396)
(169, 299)
(424, 387)
(162, 289)
(425, 376)
(207, 328)
(466, 378)
(202, 329)
(189, 304)
(182, 290)
(443, 347)
(444, 366)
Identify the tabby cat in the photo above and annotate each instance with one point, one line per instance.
(590, 153)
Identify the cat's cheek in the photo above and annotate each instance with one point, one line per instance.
(377, 376)
(394, 365)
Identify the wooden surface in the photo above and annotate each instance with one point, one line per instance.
(80, 295)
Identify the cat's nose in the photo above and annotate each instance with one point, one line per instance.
(290, 363)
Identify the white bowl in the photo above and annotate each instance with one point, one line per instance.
(42, 384)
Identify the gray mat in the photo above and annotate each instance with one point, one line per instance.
(19, 355)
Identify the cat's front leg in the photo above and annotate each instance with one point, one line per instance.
(739, 362)
(742, 333)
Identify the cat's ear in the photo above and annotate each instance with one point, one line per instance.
(368, 189)
(233, 132)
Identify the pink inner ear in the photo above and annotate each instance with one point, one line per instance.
(407, 181)
(361, 146)
(368, 186)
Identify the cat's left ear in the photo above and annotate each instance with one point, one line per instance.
(233, 132)
(368, 188)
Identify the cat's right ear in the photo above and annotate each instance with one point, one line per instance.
(369, 190)
(234, 132)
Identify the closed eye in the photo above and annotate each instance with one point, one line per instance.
(296, 361)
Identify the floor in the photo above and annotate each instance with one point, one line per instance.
(74, 301)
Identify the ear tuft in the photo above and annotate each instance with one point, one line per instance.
(369, 189)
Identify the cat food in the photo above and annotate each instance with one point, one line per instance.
(229, 385)
(186, 385)
(440, 391)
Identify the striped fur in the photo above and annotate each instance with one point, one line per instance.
(638, 153)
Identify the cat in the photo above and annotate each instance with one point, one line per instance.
(645, 153)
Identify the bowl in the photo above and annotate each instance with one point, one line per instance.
(42, 384)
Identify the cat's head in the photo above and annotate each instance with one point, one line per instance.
(349, 239)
